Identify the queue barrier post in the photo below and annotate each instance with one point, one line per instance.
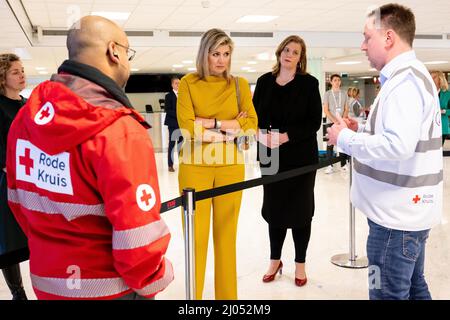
(189, 241)
(350, 260)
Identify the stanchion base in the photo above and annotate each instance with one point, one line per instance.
(343, 260)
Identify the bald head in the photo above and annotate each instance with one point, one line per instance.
(92, 33)
(100, 42)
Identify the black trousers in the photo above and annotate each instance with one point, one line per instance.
(329, 148)
(301, 239)
(13, 279)
(174, 136)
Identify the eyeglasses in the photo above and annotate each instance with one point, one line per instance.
(130, 52)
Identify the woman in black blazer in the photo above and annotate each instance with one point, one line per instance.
(13, 243)
(289, 108)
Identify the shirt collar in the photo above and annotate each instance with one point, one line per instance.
(394, 64)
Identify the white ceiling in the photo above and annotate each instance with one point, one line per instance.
(331, 29)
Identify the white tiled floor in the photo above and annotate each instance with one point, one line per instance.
(329, 237)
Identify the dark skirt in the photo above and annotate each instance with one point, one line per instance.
(290, 203)
(13, 242)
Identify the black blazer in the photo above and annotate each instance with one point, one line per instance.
(170, 106)
(301, 117)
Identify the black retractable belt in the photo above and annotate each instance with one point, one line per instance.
(171, 204)
(210, 193)
(201, 195)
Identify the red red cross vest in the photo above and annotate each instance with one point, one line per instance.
(82, 183)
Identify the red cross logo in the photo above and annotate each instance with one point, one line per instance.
(145, 197)
(45, 113)
(416, 199)
(27, 161)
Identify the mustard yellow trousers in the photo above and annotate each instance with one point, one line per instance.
(225, 213)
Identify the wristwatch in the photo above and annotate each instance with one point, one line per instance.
(218, 124)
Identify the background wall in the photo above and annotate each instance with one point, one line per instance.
(139, 100)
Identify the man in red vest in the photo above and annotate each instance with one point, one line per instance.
(82, 179)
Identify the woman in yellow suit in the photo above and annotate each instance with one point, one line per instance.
(210, 117)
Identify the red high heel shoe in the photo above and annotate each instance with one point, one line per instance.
(300, 282)
(271, 277)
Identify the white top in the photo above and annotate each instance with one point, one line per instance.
(397, 154)
(336, 101)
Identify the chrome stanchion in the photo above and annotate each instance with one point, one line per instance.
(350, 260)
(189, 241)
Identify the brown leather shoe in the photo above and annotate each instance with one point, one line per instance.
(171, 169)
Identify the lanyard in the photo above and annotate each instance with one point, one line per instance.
(338, 106)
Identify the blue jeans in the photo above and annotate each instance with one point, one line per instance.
(396, 264)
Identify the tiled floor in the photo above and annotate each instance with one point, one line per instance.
(330, 236)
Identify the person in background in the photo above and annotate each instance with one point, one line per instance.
(288, 105)
(349, 97)
(444, 101)
(82, 178)
(210, 112)
(398, 167)
(335, 101)
(13, 242)
(354, 106)
(171, 122)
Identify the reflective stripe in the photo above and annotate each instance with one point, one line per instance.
(159, 284)
(97, 288)
(399, 180)
(422, 146)
(373, 118)
(429, 145)
(430, 132)
(86, 288)
(34, 201)
(426, 82)
(139, 237)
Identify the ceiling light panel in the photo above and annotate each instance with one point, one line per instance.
(256, 19)
(436, 62)
(348, 63)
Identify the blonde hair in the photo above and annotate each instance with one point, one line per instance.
(443, 83)
(354, 92)
(211, 40)
(6, 59)
(301, 66)
(349, 91)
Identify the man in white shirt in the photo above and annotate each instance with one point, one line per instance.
(397, 158)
